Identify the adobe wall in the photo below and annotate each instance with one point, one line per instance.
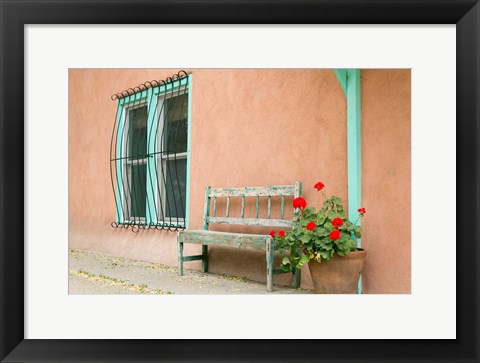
(252, 128)
(386, 183)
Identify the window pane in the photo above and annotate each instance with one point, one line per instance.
(137, 133)
(138, 189)
(176, 186)
(176, 124)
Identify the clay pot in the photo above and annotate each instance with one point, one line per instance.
(339, 275)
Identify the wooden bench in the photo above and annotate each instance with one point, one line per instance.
(240, 240)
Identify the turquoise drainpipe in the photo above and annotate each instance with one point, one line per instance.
(349, 80)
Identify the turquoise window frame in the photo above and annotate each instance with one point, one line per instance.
(150, 97)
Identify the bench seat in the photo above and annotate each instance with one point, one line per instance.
(239, 240)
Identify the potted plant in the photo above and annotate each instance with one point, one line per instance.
(326, 239)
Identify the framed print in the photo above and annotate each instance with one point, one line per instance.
(419, 65)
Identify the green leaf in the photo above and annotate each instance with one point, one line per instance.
(323, 232)
(285, 261)
(309, 212)
(304, 259)
(326, 255)
(305, 238)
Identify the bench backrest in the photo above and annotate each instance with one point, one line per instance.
(282, 191)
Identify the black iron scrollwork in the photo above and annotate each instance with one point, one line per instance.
(137, 169)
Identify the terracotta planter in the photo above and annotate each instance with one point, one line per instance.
(339, 275)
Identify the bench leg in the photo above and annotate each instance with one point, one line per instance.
(180, 258)
(296, 278)
(205, 258)
(270, 256)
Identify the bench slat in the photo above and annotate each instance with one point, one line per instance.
(269, 206)
(251, 221)
(238, 240)
(206, 210)
(277, 190)
(192, 258)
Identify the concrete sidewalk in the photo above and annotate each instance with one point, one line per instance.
(97, 274)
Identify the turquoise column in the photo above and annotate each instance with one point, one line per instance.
(349, 80)
(354, 142)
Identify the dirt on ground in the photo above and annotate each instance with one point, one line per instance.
(97, 274)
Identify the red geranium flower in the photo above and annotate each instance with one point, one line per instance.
(335, 234)
(361, 211)
(319, 186)
(299, 203)
(311, 226)
(281, 233)
(337, 222)
(272, 233)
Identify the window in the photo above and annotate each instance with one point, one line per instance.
(150, 155)
(135, 163)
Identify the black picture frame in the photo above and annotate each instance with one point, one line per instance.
(15, 14)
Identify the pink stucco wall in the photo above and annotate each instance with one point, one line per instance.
(252, 128)
(386, 179)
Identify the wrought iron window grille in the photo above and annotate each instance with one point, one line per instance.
(148, 155)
